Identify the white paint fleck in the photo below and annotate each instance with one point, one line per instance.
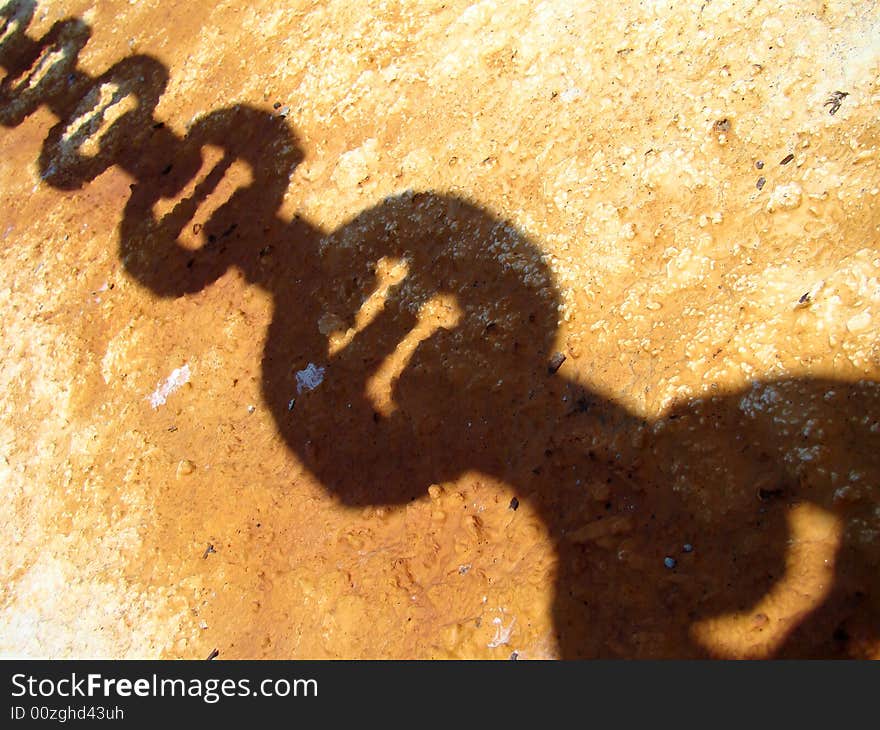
(178, 378)
(310, 378)
(502, 635)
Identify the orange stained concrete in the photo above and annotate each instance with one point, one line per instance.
(439, 330)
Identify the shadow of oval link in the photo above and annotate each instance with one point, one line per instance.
(151, 249)
(457, 381)
(713, 485)
(62, 163)
(35, 80)
(14, 41)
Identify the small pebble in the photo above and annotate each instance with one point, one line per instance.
(251, 409)
(688, 548)
(669, 562)
(760, 164)
(185, 468)
(555, 362)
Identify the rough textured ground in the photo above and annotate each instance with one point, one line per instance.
(282, 286)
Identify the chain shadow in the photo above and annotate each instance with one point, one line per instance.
(431, 325)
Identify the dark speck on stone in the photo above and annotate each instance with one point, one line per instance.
(276, 105)
(760, 164)
(688, 548)
(514, 656)
(760, 183)
(514, 504)
(669, 562)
